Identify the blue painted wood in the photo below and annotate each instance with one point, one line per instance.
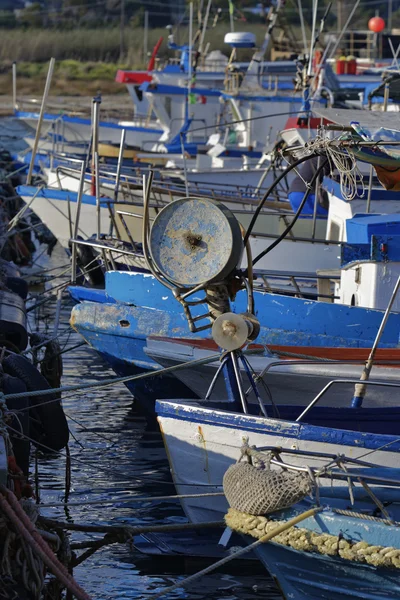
(306, 576)
(284, 320)
(382, 248)
(376, 193)
(30, 190)
(313, 576)
(298, 431)
(116, 323)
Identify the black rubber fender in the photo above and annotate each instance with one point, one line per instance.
(21, 445)
(18, 286)
(47, 417)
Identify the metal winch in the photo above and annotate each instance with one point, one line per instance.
(195, 247)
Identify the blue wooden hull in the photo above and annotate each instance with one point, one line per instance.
(117, 321)
(100, 325)
(306, 576)
(312, 576)
(284, 320)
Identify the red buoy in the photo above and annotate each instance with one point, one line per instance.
(376, 24)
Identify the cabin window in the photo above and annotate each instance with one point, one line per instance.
(353, 300)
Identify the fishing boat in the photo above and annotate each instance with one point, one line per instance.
(135, 321)
(334, 538)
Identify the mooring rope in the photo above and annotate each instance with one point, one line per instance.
(111, 381)
(96, 467)
(13, 511)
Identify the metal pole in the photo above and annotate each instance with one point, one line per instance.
(386, 96)
(58, 311)
(232, 356)
(231, 11)
(390, 14)
(95, 138)
(360, 389)
(190, 46)
(146, 35)
(97, 186)
(40, 120)
(14, 86)
(371, 173)
(317, 191)
(314, 25)
(203, 33)
(344, 29)
(303, 29)
(117, 181)
(77, 215)
(184, 166)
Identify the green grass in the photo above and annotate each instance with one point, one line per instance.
(100, 45)
(72, 70)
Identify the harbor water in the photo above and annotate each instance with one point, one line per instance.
(116, 453)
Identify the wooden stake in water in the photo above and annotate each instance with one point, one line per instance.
(40, 120)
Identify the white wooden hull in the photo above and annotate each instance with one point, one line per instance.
(201, 444)
(81, 131)
(54, 214)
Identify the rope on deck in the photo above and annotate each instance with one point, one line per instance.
(306, 540)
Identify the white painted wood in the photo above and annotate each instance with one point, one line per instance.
(200, 453)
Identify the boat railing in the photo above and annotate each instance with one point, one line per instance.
(232, 193)
(342, 381)
(304, 360)
(337, 467)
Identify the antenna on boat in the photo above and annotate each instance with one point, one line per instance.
(14, 86)
(303, 29)
(360, 388)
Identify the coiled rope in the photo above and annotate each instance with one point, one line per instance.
(26, 529)
(341, 160)
(309, 541)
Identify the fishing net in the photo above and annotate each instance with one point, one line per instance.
(258, 491)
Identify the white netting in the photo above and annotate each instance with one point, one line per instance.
(259, 491)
